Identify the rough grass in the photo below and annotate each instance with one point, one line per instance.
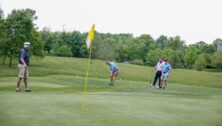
(77, 67)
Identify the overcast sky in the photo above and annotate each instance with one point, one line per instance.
(193, 20)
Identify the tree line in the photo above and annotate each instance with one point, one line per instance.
(142, 50)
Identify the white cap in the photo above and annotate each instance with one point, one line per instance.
(27, 44)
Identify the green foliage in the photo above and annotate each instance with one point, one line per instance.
(153, 56)
(190, 56)
(104, 49)
(218, 44)
(161, 41)
(175, 43)
(216, 60)
(63, 51)
(18, 27)
(137, 62)
(202, 62)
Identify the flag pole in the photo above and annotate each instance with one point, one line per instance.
(84, 102)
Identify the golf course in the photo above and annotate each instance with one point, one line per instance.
(191, 98)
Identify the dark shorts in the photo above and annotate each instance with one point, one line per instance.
(115, 73)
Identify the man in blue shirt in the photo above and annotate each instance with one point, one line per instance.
(165, 73)
(23, 67)
(114, 72)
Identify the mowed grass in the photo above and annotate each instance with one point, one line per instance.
(57, 101)
(77, 67)
(192, 98)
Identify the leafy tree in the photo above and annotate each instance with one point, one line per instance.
(1, 13)
(37, 44)
(63, 51)
(105, 49)
(202, 62)
(153, 56)
(18, 29)
(190, 56)
(216, 60)
(161, 41)
(47, 39)
(143, 42)
(175, 43)
(218, 44)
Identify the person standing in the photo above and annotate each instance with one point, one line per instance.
(159, 68)
(23, 67)
(165, 73)
(114, 72)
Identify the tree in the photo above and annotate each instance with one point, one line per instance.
(161, 41)
(216, 60)
(190, 56)
(105, 49)
(218, 44)
(175, 43)
(1, 13)
(63, 51)
(203, 47)
(153, 56)
(202, 61)
(47, 39)
(143, 42)
(3, 47)
(19, 27)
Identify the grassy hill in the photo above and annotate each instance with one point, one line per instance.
(77, 67)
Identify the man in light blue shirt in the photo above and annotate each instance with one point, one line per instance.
(114, 72)
(165, 73)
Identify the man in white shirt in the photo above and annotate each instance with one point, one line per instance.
(159, 68)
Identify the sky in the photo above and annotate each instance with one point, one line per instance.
(192, 20)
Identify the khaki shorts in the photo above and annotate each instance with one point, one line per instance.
(23, 72)
(164, 76)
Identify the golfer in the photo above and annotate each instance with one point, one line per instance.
(165, 73)
(159, 69)
(114, 72)
(23, 67)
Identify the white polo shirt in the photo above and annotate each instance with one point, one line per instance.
(159, 66)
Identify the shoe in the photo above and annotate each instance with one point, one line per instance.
(18, 90)
(157, 87)
(28, 90)
(111, 84)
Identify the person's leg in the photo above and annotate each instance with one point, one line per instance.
(162, 80)
(20, 76)
(18, 84)
(115, 76)
(159, 78)
(155, 79)
(26, 83)
(27, 89)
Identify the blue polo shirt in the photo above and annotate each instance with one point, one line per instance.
(166, 68)
(25, 55)
(113, 67)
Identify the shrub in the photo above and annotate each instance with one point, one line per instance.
(63, 51)
(137, 62)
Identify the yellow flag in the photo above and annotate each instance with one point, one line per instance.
(90, 36)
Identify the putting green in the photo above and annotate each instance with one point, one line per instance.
(109, 109)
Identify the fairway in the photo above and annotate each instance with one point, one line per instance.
(57, 100)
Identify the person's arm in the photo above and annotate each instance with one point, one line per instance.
(22, 58)
(23, 62)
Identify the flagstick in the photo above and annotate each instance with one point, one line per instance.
(86, 81)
